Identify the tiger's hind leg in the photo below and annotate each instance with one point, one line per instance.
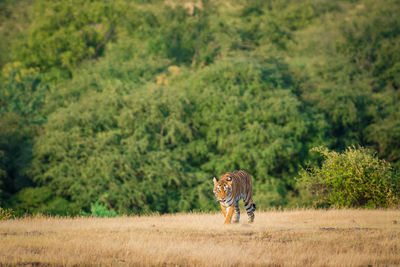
(250, 208)
(236, 212)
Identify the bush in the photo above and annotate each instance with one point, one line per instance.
(39, 200)
(6, 214)
(99, 210)
(354, 178)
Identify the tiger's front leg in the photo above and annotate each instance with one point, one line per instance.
(229, 214)
(223, 209)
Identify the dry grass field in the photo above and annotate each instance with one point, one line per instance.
(278, 238)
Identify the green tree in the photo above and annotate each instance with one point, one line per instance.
(155, 148)
(63, 34)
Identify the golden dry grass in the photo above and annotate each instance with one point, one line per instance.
(286, 238)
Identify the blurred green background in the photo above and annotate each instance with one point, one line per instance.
(136, 105)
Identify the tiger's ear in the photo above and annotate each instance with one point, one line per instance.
(229, 179)
(214, 180)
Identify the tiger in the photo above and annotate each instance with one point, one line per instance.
(229, 189)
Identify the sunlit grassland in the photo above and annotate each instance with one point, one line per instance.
(282, 238)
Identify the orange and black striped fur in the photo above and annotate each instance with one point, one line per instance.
(229, 189)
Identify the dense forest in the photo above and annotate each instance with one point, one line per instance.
(136, 105)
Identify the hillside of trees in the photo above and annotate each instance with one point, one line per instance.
(137, 105)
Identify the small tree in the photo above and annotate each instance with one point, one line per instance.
(354, 178)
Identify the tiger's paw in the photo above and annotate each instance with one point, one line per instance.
(251, 219)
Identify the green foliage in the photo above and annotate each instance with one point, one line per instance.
(99, 210)
(15, 153)
(183, 37)
(137, 104)
(40, 200)
(348, 74)
(384, 131)
(20, 92)
(371, 40)
(6, 214)
(354, 178)
(149, 150)
(13, 21)
(3, 174)
(65, 33)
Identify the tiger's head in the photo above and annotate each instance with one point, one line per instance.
(223, 187)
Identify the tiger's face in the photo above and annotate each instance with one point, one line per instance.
(222, 189)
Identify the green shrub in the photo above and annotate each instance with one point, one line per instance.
(99, 210)
(40, 200)
(354, 178)
(6, 214)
